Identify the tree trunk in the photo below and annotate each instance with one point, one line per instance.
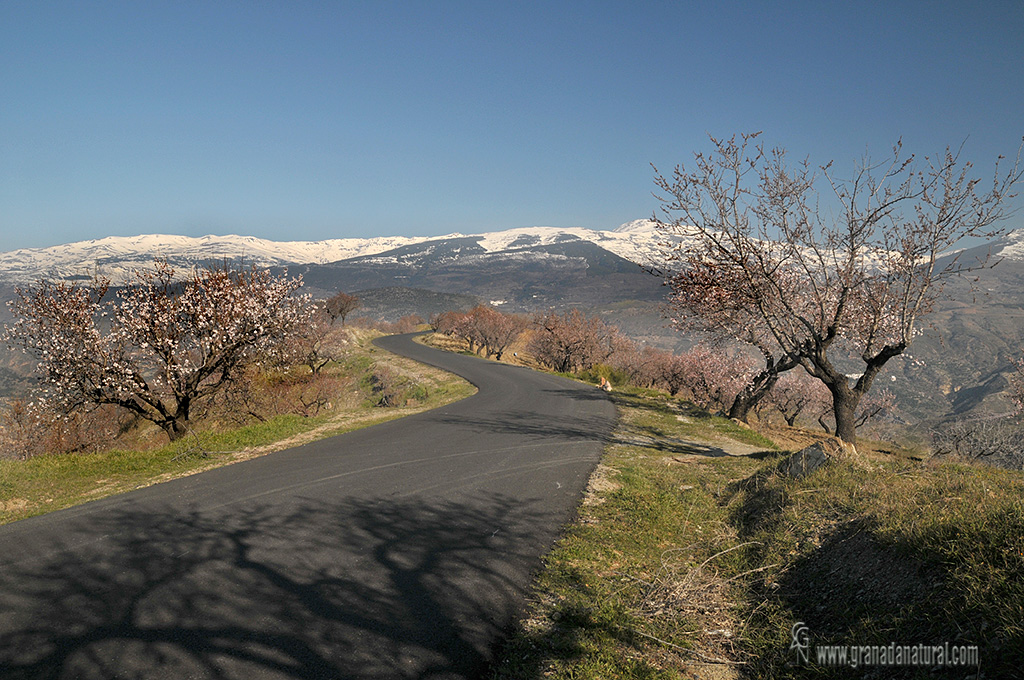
(176, 424)
(844, 397)
(759, 386)
(175, 428)
(844, 408)
(752, 393)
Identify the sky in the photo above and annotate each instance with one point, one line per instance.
(297, 120)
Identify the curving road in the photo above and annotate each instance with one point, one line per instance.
(397, 551)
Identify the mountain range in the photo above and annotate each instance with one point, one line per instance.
(114, 256)
(958, 366)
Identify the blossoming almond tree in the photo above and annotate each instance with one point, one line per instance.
(705, 304)
(157, 346)
(485, 327)
(571, 341)
(823, 283)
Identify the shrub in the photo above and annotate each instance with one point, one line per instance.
(613, 375)
(30, 429)
(385, 387)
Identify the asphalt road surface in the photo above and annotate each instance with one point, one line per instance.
(398, 551)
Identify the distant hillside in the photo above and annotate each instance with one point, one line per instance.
(961, 362)
(391, 304)
(958, 366)
(568, 273)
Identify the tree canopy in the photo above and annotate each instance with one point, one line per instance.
(158, 345)
(757, 254)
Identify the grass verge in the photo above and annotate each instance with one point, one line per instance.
(694, 557)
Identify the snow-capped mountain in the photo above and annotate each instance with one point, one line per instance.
(1010, 246)
(114, 256)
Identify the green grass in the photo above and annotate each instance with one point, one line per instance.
(628, 583)
(898, 552)
(684, 560)
(45, 483)
(667, 417)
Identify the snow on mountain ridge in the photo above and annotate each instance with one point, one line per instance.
(114, 256)
(635, 225)
(1014, 248)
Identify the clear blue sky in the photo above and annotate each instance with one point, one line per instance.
(294, 120)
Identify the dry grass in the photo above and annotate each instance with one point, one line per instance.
(516, 354)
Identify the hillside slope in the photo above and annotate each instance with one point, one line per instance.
(958, 366)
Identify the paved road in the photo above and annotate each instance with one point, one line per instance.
(398, 551)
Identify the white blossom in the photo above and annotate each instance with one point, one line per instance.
(157, 346)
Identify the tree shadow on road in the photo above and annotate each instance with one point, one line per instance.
(653, 434)
(547, 427)
(257, 592)
(584, 392)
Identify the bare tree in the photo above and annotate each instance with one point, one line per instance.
(31, 428)
(493, 330)
(340, 305)
(796, 394)
(823, 285)
(406, 324)
(1017, 385)
(156, 347)
(992, 440)
(570, 341)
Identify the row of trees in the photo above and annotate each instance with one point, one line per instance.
(714, 378)
(482, 328)
(568, 342)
